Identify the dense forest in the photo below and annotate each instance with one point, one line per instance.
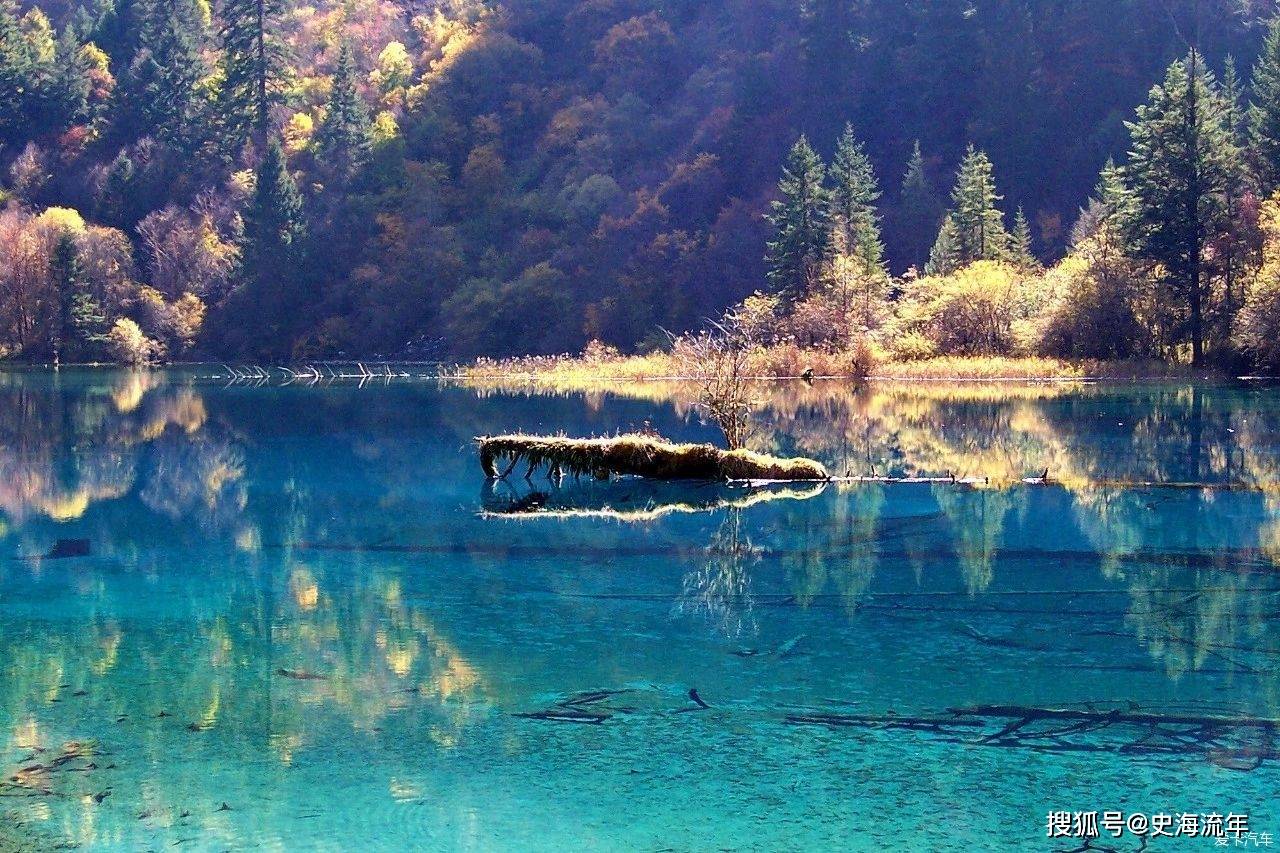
(282, 179)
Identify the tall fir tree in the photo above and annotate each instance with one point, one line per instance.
(1181, 173)
(274, 228)
(1021, 252)
(17, 75)
(802, 245)
(853, 205)
(272, 261)
(67, 92)
(977, 222)
(80, 332)
(161, 87)
(944, 257)
(1264, 113)
(1233, 94)
(342, 140)
(1231, 252)
(1110, 209)
(920, 210)
(249, 64)
(116, 201)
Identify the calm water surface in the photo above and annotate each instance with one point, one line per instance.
(280, 618)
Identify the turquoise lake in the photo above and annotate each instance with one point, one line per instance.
(268, 616)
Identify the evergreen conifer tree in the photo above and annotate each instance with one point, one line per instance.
(1232, 250)
(1264, 112)
(1232, 88)
(249, 63)
(164, 73)
(81, 328)
(1107, 211)
(1112, 192)
(116, 201)
(17, 75)
(1181, 175)
(920, 211)
(944, 257)
(273, 261)
(67, 94)
(342, 140)
(273, 225)
(1021, 254)
(977, 222)
(801, 219)
(853, 198)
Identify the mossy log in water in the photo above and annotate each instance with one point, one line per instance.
(638, 455)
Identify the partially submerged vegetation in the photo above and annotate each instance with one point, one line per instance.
(598, 366)
(636, 455)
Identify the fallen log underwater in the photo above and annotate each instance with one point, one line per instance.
(1233, 742)
(639, 456)
(1225, 739)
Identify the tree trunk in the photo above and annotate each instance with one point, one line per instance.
(1197, 330)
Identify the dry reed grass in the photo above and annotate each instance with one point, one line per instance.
(638, 455)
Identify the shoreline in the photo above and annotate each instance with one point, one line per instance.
(569, 370)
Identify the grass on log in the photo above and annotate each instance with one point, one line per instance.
(638, 455)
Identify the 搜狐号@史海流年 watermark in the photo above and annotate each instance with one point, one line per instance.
(1230, 829)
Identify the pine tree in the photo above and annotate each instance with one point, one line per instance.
(342, 140)
(944, 257)
(17, 75)
(977, 222)
(272, 260)
(116, 202)
(1232, 250)
(920, 210)
(249, 64)
(1021, 254)
(1232, 88)
(1181, 175)
(274, 229)
(802, 221)
(1114, 195)
(1109, 210)
(81, 328)
(67, 92)
(1264, 113)
(165, 72)
(853, 198)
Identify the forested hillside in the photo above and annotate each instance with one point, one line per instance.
(279, 179)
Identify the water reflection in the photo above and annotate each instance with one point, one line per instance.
(719, 590)
(1216, 442)
(289, 581)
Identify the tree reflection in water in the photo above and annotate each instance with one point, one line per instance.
(719, 590)
(1090, 439)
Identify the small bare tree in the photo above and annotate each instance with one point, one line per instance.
(717, 361)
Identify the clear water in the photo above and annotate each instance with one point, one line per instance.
(295, 628)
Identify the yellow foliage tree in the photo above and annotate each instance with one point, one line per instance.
(986, 308)
(1257, 329)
